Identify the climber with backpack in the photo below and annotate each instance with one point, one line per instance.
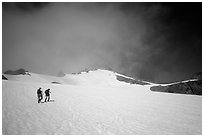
(47, 95)
(39, 95)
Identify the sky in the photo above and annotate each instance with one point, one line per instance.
(157, 42)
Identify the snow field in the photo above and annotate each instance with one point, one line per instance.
(89, 110)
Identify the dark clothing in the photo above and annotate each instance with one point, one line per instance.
(47, 92)
(47, 95)
(39, 95)
(47, 98)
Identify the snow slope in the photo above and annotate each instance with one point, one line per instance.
(97, 106)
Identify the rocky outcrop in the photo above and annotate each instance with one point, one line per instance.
(190, 87)
(4, 78)
(16, 72)
(56, 83)
(131, 81)
(86, 70)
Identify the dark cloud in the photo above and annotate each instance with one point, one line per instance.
(24, 6)
(159, 42)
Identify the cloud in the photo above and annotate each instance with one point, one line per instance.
(130, 38)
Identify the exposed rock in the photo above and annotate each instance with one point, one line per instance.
(17, 72)
(56, 83)
(4, 78)
(190, 87)
(131, 81)
(86, 70)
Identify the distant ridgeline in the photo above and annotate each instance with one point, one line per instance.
(94, 69)
(85, 70)
(16, 72)
(193, 86)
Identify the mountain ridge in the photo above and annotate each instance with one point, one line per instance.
(102, 77)
(10, 75)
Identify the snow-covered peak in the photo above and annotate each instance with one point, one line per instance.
(95, 77)
(90, 73)
(104, 77)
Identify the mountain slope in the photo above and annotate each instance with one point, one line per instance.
(92, 108)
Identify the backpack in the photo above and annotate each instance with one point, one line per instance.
(39, 91)
(47, 92)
